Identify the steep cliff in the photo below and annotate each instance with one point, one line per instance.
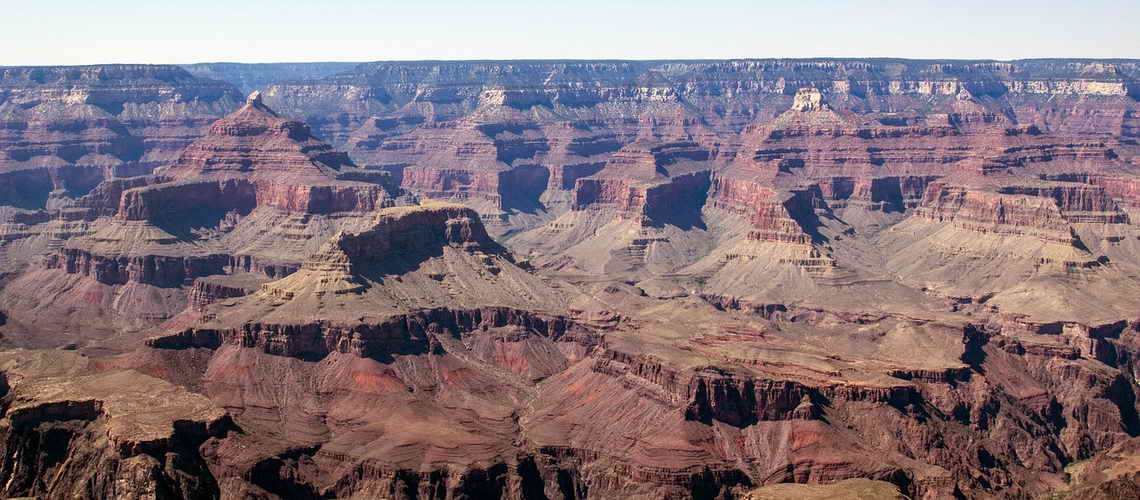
(71, 433)
(251, 77)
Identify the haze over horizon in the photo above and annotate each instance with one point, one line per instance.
(128, 31)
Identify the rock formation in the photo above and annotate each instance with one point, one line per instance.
(255, 195)
(77, 434)
(68, 129)
(571, 279)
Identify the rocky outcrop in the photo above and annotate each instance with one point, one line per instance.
(210, 289)
(787, 216)
(422, 228)
(85, 436)
(648, 203)
(711, 393)
(1077, 203)
(807, 100)
(170, 200)
(888, 194)
(454, 184)
(255, 141)
(1125, 189)
(254, 159)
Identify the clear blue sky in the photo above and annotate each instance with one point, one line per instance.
(105, 31)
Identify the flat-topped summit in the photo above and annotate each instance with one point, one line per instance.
(410, 233)
(395, 250)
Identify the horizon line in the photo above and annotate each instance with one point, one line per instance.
(599, 60)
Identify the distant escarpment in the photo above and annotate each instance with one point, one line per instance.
(250, 77)
(490, 117)
(68, 128)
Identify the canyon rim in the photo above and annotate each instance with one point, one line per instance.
(544, 279)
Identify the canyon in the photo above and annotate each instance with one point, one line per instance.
(737, 279)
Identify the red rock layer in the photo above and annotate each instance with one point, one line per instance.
(997, 213)
(448, 183)
(776, 216)
(157, 270)
(1077, 203)
(206, 291)
(892, 193)
(253, 141)
(243, 195)
(400, 334)
(1125, 189)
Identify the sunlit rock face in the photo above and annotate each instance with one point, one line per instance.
(571, 279)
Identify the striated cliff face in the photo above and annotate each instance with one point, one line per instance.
(1001, 213)
(251, 159)
(158, 270)
(79, 125)
(397, 335)
(1122, 188)
(727, 95)
(255, 141)
(653, 203)
(524, 85)
(775, 216)
(175, 199)
(570, 279)
(454, 183)
(887, 194)
(408, 228)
